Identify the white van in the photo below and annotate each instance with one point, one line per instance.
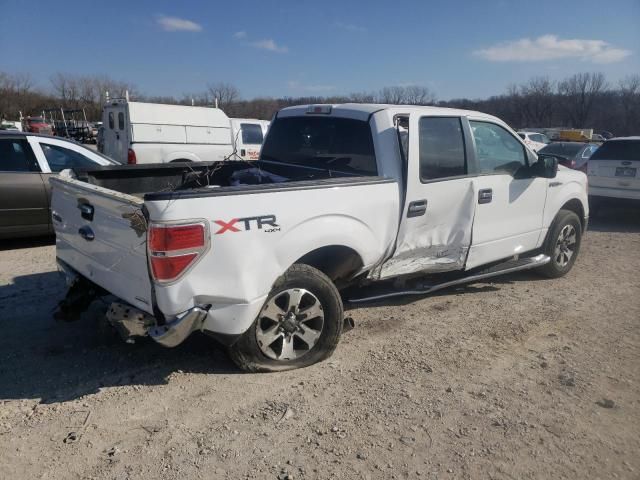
(137, 133)
(248, 135)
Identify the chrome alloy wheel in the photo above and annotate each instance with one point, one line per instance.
(565, 246)
(290, 324)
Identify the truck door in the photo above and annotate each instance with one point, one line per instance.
(435, 230)
(116, 132)
(249, 140)
(509, 214)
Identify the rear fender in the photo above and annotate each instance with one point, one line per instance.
(329, 230)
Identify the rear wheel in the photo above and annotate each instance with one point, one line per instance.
(299, 325)
(562, 244)
(595, 205)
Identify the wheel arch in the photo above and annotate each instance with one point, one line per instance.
(338, 262)
(575, 205)
(180, 156)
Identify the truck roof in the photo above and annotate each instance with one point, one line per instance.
(362, 111)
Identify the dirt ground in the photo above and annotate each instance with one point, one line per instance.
(518, 378)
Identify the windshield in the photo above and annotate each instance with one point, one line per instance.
(563, 149)
(618, 150)
(331, 143)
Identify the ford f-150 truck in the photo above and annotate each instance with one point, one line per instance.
(413, 199)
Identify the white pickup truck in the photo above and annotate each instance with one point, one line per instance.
(255, 254)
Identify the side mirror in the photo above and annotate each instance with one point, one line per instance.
(546, 166)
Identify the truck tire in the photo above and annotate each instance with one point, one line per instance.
(562, 244)
(299, 325)
(595, 206)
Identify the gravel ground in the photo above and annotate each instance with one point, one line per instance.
(512, 379)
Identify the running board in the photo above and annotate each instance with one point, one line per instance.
(500, 269)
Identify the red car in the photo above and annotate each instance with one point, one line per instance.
(37, 125)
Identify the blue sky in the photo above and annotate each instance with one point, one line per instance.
(287, 47)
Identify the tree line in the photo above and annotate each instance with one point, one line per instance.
(583, 100)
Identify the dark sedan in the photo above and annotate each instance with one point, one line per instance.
(571, 154)
(26, 162)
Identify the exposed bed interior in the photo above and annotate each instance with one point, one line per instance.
(142, 179)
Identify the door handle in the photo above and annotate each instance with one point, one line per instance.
(86, 233)
(485, 195)
(56, 217)
(417, 208)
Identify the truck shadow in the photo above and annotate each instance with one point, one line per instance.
(20, 243)
(57, 362)
(615, 218)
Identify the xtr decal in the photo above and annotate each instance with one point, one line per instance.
(245, 224)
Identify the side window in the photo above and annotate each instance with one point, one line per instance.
(442, 152)
(120, 120)
(16, 156)
(111, 122)
(251, 134)
(60, 158)
(588, 151)
(497, 151)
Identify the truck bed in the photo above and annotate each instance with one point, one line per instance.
(177, 180)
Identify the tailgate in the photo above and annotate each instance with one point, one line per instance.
(622, 174)
(102, 234)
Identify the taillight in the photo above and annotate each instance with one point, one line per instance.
(131, 157)
(175, 248)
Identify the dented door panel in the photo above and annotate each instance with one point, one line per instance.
(439, 240)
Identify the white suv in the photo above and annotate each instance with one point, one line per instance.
(614, 170)
(534, 140)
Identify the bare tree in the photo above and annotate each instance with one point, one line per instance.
(417, 95)
(226, 93)
(407, 95)
(362, 97)
(629, 88)
(22, 83)
(393, 95)
(538, 101)
(579, 92)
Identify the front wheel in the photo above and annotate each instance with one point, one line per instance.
(562, 244)
(299, 325)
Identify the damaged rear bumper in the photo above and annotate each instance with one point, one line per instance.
(131, 322)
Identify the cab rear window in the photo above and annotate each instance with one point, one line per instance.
(331, 143)
(618, 150)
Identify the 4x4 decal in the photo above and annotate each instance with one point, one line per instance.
(245, 224)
